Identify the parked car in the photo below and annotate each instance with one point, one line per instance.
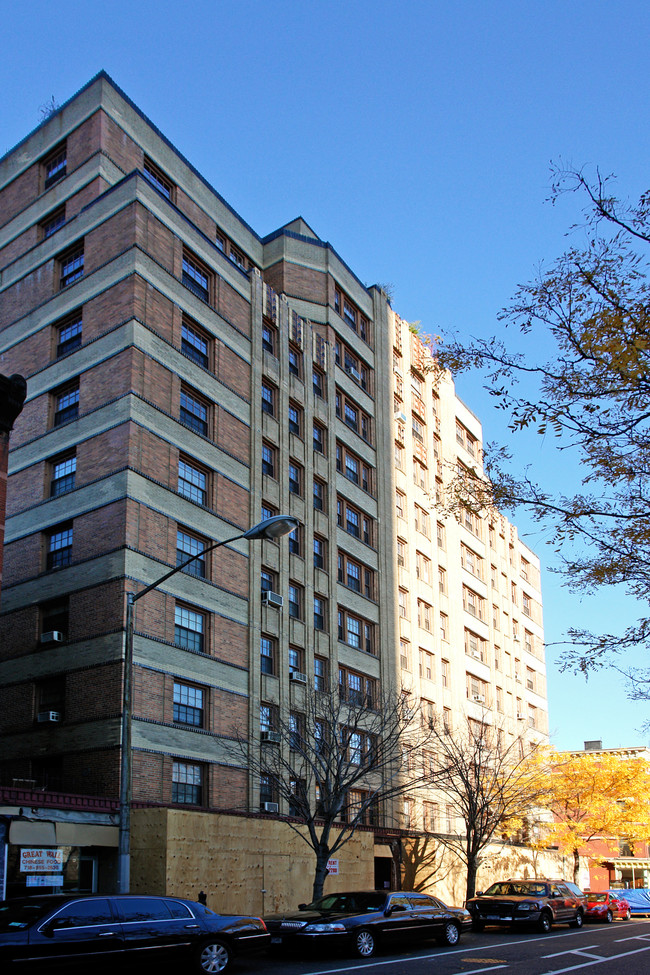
(606, 906)
(363, 920)
(64, 929)
(539, 902)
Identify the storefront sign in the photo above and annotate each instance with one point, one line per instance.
(44, 880)
(41, 860)
(332, 867)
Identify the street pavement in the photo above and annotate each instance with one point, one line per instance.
(622, 948)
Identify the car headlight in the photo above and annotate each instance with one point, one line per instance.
(323, 928)
(529, 906)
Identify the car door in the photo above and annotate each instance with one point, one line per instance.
(81, 931)
(149, 926)
(557, 899)
(571, 902)
(430, 915)
(400, 920)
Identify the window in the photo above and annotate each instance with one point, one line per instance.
(353, 467)
(353, 416)
(158, 179)
(189, 546)
(195, 344)
(59, 546)
(269, 580)
(430, 816)
(444, 626)
(526, 604)
(357, 689)
(194, 412)
(400, 504)
(296, 731)
(53, 222)
(318, 383)
(441, 536)
(69, 334)
(268, 459)
(351, 315)
(444, 673)
(320, 552)
(187, 783)
(295, 660)
(51, 696)
(63, 474)
(268, 717)
(475, 689)
(268, 654)
(442, 579)
(269, 338)
(420, 478)
(268, 790)
(321, 681)
(295, 601)
(295, 478)
(473, 603)
(294, 541)
(356, 576)
(267, 511)
(319, 494)
(189, 629)
(401, 552)
(55, 616)
(405, 655)
(295, 419)
(422, 520)
(474, 645)
(418, 429)
(352, 364)
(424, 615)
(471, 561)
(196, 277)
(55, 166)
(71, 265)
(66, 403)
(356, 632)
(402, 602)
(295, 362)
(237, 258)
(192, 481)
(188, 705)
(320, 613)
(268, 398)
(423, 567)
(400, 456)
(319, 438)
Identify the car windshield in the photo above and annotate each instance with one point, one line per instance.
(598, 898)
(357, 903)
(16, 915)
(516, 888)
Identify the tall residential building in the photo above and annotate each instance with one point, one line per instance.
(188, 378)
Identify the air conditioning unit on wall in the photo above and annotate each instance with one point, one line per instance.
(270, 807)
(297, 677)
(45, 717)
(270, 598)
(52, 636)
(272, 737)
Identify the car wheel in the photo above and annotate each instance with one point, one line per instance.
(545, 922)
(213, 956)
(628, 914)
(450, 934)
(365, 943)
(609, 917)
(478, 925)
(578, 922)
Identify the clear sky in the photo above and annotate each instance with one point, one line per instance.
(415, 136)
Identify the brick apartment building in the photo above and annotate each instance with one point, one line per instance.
(186, 379)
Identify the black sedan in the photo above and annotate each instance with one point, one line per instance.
(362, 920)
(55, 930)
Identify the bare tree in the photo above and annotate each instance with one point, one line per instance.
(336, 763)
(48, 109)
(490, 779)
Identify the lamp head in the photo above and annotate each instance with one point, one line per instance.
(273, 527)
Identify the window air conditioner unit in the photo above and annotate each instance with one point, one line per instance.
(270, 807)
(297, 677)
(516, 638)
(270, 598)
(476, 653)
(520, 716)
(52, 636)
(271, 736)
(480, 698)
(518, 678)
(401, 417)
(44, 717)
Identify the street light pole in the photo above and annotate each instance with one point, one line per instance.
(268, 528)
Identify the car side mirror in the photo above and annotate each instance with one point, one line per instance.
(479, 893)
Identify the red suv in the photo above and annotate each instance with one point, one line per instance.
(539, 902)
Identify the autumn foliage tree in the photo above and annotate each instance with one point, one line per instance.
(596, 795)
(578, 367)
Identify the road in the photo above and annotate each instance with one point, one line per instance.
(622, 948)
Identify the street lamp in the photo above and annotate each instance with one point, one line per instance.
(269, 528)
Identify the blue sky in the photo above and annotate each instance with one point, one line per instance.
(416, 137)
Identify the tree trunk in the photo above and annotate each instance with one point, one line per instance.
(472, 870)
(576, 865)
(322, 856)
